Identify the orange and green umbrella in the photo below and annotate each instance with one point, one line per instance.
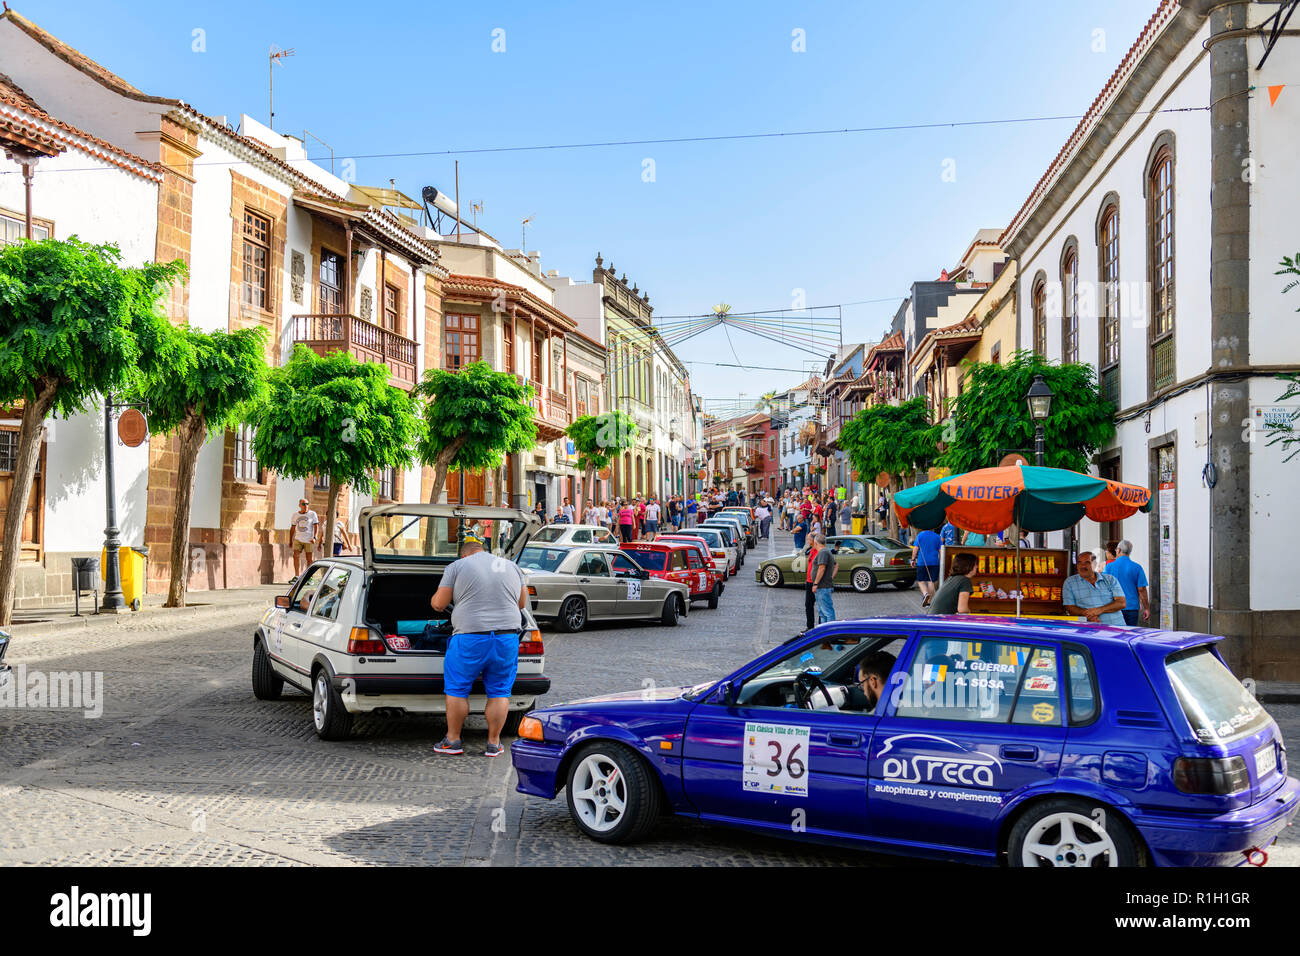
(989, 500)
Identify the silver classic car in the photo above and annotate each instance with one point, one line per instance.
(572, 584)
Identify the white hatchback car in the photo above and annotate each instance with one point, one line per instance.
(359, 634)
(575, 534)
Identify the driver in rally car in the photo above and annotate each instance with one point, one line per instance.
(872, 677)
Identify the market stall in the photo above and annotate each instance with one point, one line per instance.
(993, 500)
(1005, 576)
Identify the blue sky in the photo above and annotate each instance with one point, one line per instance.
(844, 218)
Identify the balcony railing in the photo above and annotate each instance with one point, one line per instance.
(326, 333)
(550, 411)
(753, 462)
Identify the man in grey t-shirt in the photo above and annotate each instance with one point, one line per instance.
(488, 594)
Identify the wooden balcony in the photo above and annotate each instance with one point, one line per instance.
(326, 333)
(550, 412)
(753, 463)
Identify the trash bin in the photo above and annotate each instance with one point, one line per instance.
(131, 567)
(859, 524)
(84, 573)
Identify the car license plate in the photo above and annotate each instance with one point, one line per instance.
(1265, 761)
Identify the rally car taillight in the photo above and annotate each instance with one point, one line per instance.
(1217, 775)
(531, 645)
(361, 642)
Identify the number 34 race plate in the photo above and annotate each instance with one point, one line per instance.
(775, 759)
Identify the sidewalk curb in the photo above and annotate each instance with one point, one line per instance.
(1278, 697)
(52, 628)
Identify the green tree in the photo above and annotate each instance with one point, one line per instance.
(894, 439)
(215, 390)
(599, 439)
(473, 419)
(74, 324)
(1284, 433)
(334, 416)
(990, 418)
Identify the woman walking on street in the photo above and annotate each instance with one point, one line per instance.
(626, 522)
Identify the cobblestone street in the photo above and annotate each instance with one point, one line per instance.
(186, 767)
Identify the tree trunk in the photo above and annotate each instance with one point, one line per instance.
(29, 454)
(191, 434)
(332, 515)
(589, 485)
(441, 464)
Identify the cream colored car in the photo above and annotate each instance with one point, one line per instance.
(359, 635)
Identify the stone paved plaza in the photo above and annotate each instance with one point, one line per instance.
(185, 767)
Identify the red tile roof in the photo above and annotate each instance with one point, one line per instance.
(78, 60)
(1164, 13)
(487, 287)
(16, 113)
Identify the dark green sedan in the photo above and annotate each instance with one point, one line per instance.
(865, 562)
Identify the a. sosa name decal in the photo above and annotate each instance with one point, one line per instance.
(966, 768)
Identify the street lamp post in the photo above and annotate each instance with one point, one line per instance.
(114, 599)
(1039, 399)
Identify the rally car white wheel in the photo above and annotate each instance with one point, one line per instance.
(611, 796)
(329, 716)
(1069, 832)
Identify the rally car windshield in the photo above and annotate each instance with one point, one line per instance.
(542, 559)
(651, 560)
(1215, 703)
(712, 538)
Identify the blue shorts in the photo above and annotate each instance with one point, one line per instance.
(927, 572)
(495, 656)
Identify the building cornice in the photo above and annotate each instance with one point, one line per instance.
(1167, 32)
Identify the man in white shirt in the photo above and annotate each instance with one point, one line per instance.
(652, 518)
(568, 511)
(592, 514)
(306, 535)
(764, 517)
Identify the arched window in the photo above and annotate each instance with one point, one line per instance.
(1038, 305)
(1070, 304)
(1108, 261)
(1160, 233)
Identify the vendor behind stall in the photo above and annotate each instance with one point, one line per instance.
(1097, 597)
(954, 596)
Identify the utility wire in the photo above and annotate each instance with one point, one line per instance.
(717, 138)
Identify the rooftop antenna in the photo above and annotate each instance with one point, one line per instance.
(523, 238)
(275, 54)
(475, 208)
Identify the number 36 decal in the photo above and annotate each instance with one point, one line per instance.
(774, 759)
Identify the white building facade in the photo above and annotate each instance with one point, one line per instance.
(1149, 250)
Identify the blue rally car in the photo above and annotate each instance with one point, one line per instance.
(1033, 743)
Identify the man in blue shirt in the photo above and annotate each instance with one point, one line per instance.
(1097, 597)
(1134, 582)
(925, 555)
(948, 534)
